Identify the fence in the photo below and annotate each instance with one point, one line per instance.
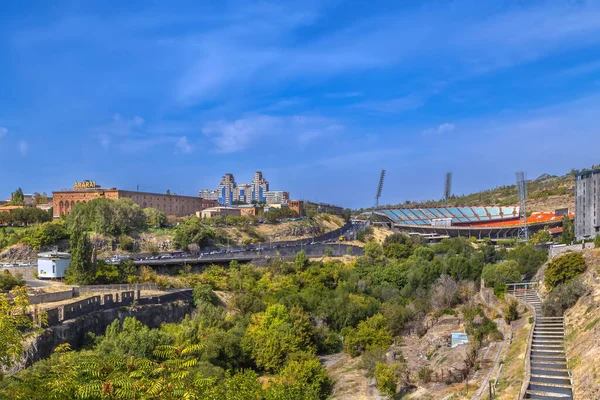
(563, 248)
(105, 302)
(117, 287)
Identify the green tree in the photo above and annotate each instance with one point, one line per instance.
(155, 218)
(564, 268)
(17, 198)
(503, 272)
(568, 235)
(301, 260)
(597, 242)
(373, 250)
(386, 377)
(512, 312)
(370, 333)
(81, 270)
(347, 215)
(329, 251)
(542, 236)
(192, 231)
(12, 322)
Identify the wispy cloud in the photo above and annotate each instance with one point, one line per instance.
(237, 135)
(3, 132)
(23, 147)
(183, 146)
(119, 127)
(441, 129)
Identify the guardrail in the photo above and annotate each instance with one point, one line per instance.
(527, 360)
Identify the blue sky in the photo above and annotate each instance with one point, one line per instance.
(320, 96)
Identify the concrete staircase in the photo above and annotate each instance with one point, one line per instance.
(550, 378)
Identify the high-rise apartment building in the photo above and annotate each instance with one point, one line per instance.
(229, 191)
(587, 204)
(259, 187)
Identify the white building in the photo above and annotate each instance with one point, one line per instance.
(277, 197)
(53, 265)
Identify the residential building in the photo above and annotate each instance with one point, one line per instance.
(587, 204)
(210, 194)
(226, 189)
(277, 197)
(230, 192)
(63, 201)
(219, 211)
(259, 187)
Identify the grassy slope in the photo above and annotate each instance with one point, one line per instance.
(582, 337)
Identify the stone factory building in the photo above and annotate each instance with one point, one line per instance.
(180, 206)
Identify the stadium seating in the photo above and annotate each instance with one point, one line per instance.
(459, 215)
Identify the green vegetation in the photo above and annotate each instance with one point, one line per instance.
(25, 216)
(563, 297)
(81, 270)
(279, 319)
(568, 235)
(501, 273)
(542, 236)
(564, 268)
(8, 281)
(108, 217)
(512, 312)
(193, 231)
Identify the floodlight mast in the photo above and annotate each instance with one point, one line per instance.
(378, 195)
(447, 188)
(523, 233)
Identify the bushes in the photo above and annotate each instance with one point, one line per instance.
(511, 313)
(193, 231)
(8, 281)
(564, 268)
(502, 273)
(45, 234)
(371, 333)
(203, 293)
(562, 297)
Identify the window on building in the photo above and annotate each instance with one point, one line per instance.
(53, 268)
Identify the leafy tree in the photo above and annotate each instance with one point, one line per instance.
(45, 235)
(563, 297)
(133, 339)
(371, 333)
(568, 235)
(597, 242)
(328, 251)
(503, 272)
(564, 268)
(512, 312)
(398, 251)
(387, 378)
(155, 218)
(347, 215)
(274, 335)
(192, 231)
(81, 270)
(204, 294)
(528, 258)
(40, 198)
(12, 321)
(17, 198)
(8, 281)
(106, 273)
(373, 250)
(301, 260)
(542, 236)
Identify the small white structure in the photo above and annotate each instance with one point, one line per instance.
(53, 264)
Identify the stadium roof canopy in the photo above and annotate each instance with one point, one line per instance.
(459, 215)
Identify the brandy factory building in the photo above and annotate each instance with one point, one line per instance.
(180, 206)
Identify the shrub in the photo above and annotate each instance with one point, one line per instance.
(511, 313)
(562, 297)
(8, 281)
(328, 251)
(203, 293)
(425, 374)
(387, 378)
(370, 333)
(126, 243)
(500, 289)
(597, 242)
(564, 268)
(502, 273)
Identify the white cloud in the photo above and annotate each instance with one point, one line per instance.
(3, 132)
(441, 129)
(183, 146)
(233, 136)
(23, 147)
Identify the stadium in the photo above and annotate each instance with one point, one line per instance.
(479, 222)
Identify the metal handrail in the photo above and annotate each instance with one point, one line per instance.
(527, 360)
